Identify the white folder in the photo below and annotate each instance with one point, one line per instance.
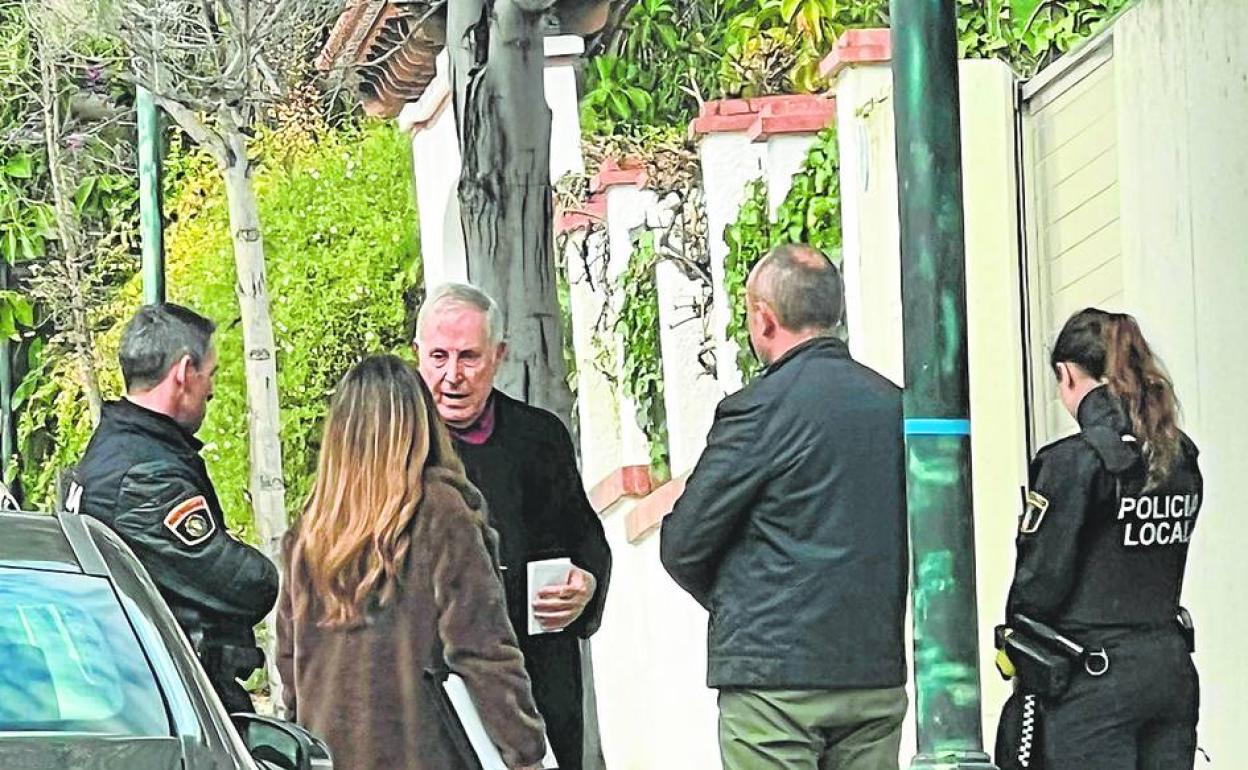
(470, 718)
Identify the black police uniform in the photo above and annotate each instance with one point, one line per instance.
(1101, 561)
(142, 476)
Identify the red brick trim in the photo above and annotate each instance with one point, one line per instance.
(594, 209)
(724, 115)
(857, 46)
(646, 515)
(628, 481)
(808, 117)
(618, 173)
(765, 116)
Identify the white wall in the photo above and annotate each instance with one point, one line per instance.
(729, 161)
(598, 410)
(1182, 96)
(655, 710)
(436, 158)
(627, 207)
(871, 253)
(689, 392)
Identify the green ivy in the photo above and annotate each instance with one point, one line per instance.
(637, 325)
(810, 213)
(671, 54)
(1030, 33)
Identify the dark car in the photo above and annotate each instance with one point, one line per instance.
(95, 672)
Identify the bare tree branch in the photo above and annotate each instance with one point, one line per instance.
(195, 127)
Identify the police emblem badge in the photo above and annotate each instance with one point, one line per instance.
(190, 521)
(1033, 512)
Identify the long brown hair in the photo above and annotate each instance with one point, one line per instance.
(381, 435)
(1110, 346)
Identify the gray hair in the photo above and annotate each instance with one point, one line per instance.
(463, 294)
(157, 338)
(803, 288)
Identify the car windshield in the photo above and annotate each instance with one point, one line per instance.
(69, 660)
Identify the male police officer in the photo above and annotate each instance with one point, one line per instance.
(142, 476)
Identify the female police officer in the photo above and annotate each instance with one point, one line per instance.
(1102, 545)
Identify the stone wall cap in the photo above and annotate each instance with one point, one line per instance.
(627, 481)
(733, 115)
(646, 516)
(857, 46)
(618, 173)
(594, 209)
(781, 120)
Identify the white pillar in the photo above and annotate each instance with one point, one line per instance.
(729, 162)
(626, 211)
(690, 393)
(562, 53)
(598, 409)
(785, 155)
(437, 162)
(870, 239)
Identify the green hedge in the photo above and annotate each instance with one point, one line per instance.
(340, 234)
(342, 253)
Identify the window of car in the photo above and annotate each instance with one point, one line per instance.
(70, 660)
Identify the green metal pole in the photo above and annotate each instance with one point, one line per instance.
(937, 407)
(8, 434)
(150, 216)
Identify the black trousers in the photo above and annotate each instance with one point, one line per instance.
(1141, 715)
(554, 665)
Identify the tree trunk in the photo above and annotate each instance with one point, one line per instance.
(268, 492)
(497, 64)
(506, 199)
(68, 235)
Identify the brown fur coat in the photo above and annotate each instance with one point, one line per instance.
(361, 688)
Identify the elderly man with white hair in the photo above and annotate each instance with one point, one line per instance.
(522, 459)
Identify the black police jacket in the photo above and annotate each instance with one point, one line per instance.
(1096, 550)
(142, 476)
(792, 528)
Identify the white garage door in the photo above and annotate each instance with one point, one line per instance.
(1071, 209)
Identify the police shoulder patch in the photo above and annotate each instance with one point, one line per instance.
(190, 521)
(1033, 513)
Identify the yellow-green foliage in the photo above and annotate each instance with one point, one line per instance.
(340, 235)
(340, 242)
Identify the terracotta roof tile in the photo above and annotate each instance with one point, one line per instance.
(391, 45)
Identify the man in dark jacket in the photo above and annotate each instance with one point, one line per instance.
(522, 460)
(142, 476)
(792, 533)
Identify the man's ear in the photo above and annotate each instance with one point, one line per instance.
(1065, 378)
(768, 317)
(500, 352)
(181, 370)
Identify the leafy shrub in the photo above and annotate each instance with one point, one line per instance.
(670, 54)
(341, 248)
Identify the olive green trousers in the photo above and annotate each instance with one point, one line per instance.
(811, 729)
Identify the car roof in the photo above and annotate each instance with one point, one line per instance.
(35, 541)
